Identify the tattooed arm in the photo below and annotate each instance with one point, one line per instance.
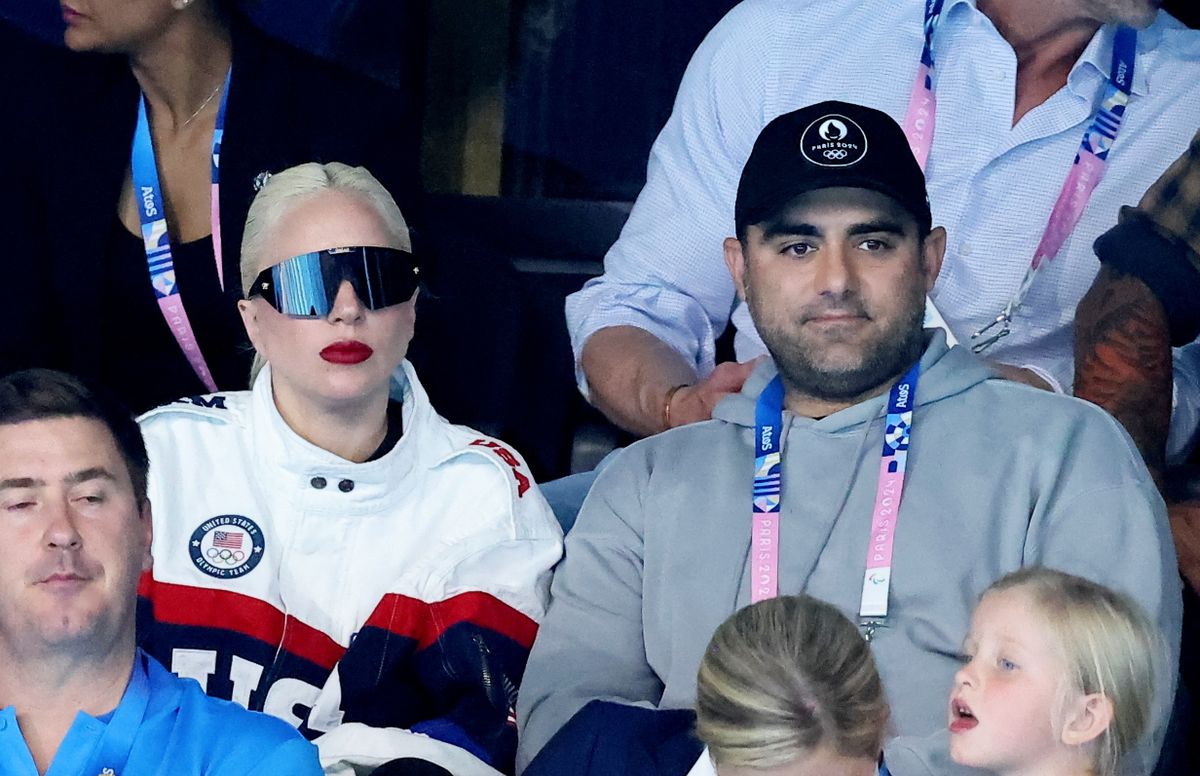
(1123, 363)
(1145, 299)
(1123, 359)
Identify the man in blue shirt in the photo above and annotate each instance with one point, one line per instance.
(77, 697)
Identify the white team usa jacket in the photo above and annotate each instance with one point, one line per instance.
(384, 608)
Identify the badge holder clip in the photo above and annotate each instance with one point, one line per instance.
(870, 625)
(1003, 321)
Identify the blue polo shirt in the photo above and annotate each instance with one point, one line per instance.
(164, 726)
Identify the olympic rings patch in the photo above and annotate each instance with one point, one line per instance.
(227, 546)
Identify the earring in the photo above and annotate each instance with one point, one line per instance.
(179, 5)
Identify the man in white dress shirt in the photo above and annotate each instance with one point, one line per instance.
(1017, 83)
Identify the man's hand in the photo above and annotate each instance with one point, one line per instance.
(694, 403)
(1018, 375)
(631, 373)
(1185, 528)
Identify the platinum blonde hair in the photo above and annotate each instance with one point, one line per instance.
(785, 677)
(294, 186)
(1109, 647)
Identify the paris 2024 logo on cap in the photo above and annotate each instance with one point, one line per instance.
(833, 141)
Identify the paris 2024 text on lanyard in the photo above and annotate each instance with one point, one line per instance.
(1085, 173)
(768, 485)
(157, 239)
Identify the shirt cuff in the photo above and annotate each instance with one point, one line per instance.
(686, 331)
(1041, 372)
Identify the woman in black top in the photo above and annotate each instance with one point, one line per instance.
(80, 294)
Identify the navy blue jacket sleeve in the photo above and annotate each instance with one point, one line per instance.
(612, 739)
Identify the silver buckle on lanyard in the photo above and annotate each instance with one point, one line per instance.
(1003, 320)
(870, 625)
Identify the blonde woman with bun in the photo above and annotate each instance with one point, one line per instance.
(788, 687)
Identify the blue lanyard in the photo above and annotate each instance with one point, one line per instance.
(921, 115)
(156, 239)
(1106, 122)
(768, 488)
(768, 485)
(933, 15)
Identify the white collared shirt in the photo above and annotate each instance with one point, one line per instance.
(992, 185)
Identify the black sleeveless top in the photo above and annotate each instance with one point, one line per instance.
(139, 357)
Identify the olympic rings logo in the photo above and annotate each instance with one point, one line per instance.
(227, 546)
(225, 555)
(835, 153)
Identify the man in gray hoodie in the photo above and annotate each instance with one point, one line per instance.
(786, 489)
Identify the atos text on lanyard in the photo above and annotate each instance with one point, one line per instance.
(156, 238)
(768, 488)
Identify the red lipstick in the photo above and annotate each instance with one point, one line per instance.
(347, 352)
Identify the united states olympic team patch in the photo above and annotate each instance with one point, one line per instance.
(227, 546)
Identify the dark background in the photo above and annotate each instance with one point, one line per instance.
(537, 122)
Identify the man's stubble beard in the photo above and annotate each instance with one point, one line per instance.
(882, 362)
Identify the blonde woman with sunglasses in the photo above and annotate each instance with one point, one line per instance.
(327, 548)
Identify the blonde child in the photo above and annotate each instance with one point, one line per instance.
(1059, 678)
(788, 687)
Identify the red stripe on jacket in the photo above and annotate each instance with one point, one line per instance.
(426, 622)
(400, 615)
(208, 608)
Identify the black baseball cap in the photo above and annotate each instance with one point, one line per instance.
(826, 145)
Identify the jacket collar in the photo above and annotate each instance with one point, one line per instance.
(285, 452)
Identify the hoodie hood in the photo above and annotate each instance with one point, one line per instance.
(945, 371)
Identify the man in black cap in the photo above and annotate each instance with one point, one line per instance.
(835, 251)
(864, 451)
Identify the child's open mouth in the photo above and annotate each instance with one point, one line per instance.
(961, 717)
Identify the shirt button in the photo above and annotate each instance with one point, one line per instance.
(317, 482)
(345, 486)
(965, 250)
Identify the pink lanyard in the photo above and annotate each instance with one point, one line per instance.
(768, 487)
(1082, 179)
(921, 116)
(156, 239)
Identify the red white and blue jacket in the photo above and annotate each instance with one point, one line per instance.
(384, 608)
